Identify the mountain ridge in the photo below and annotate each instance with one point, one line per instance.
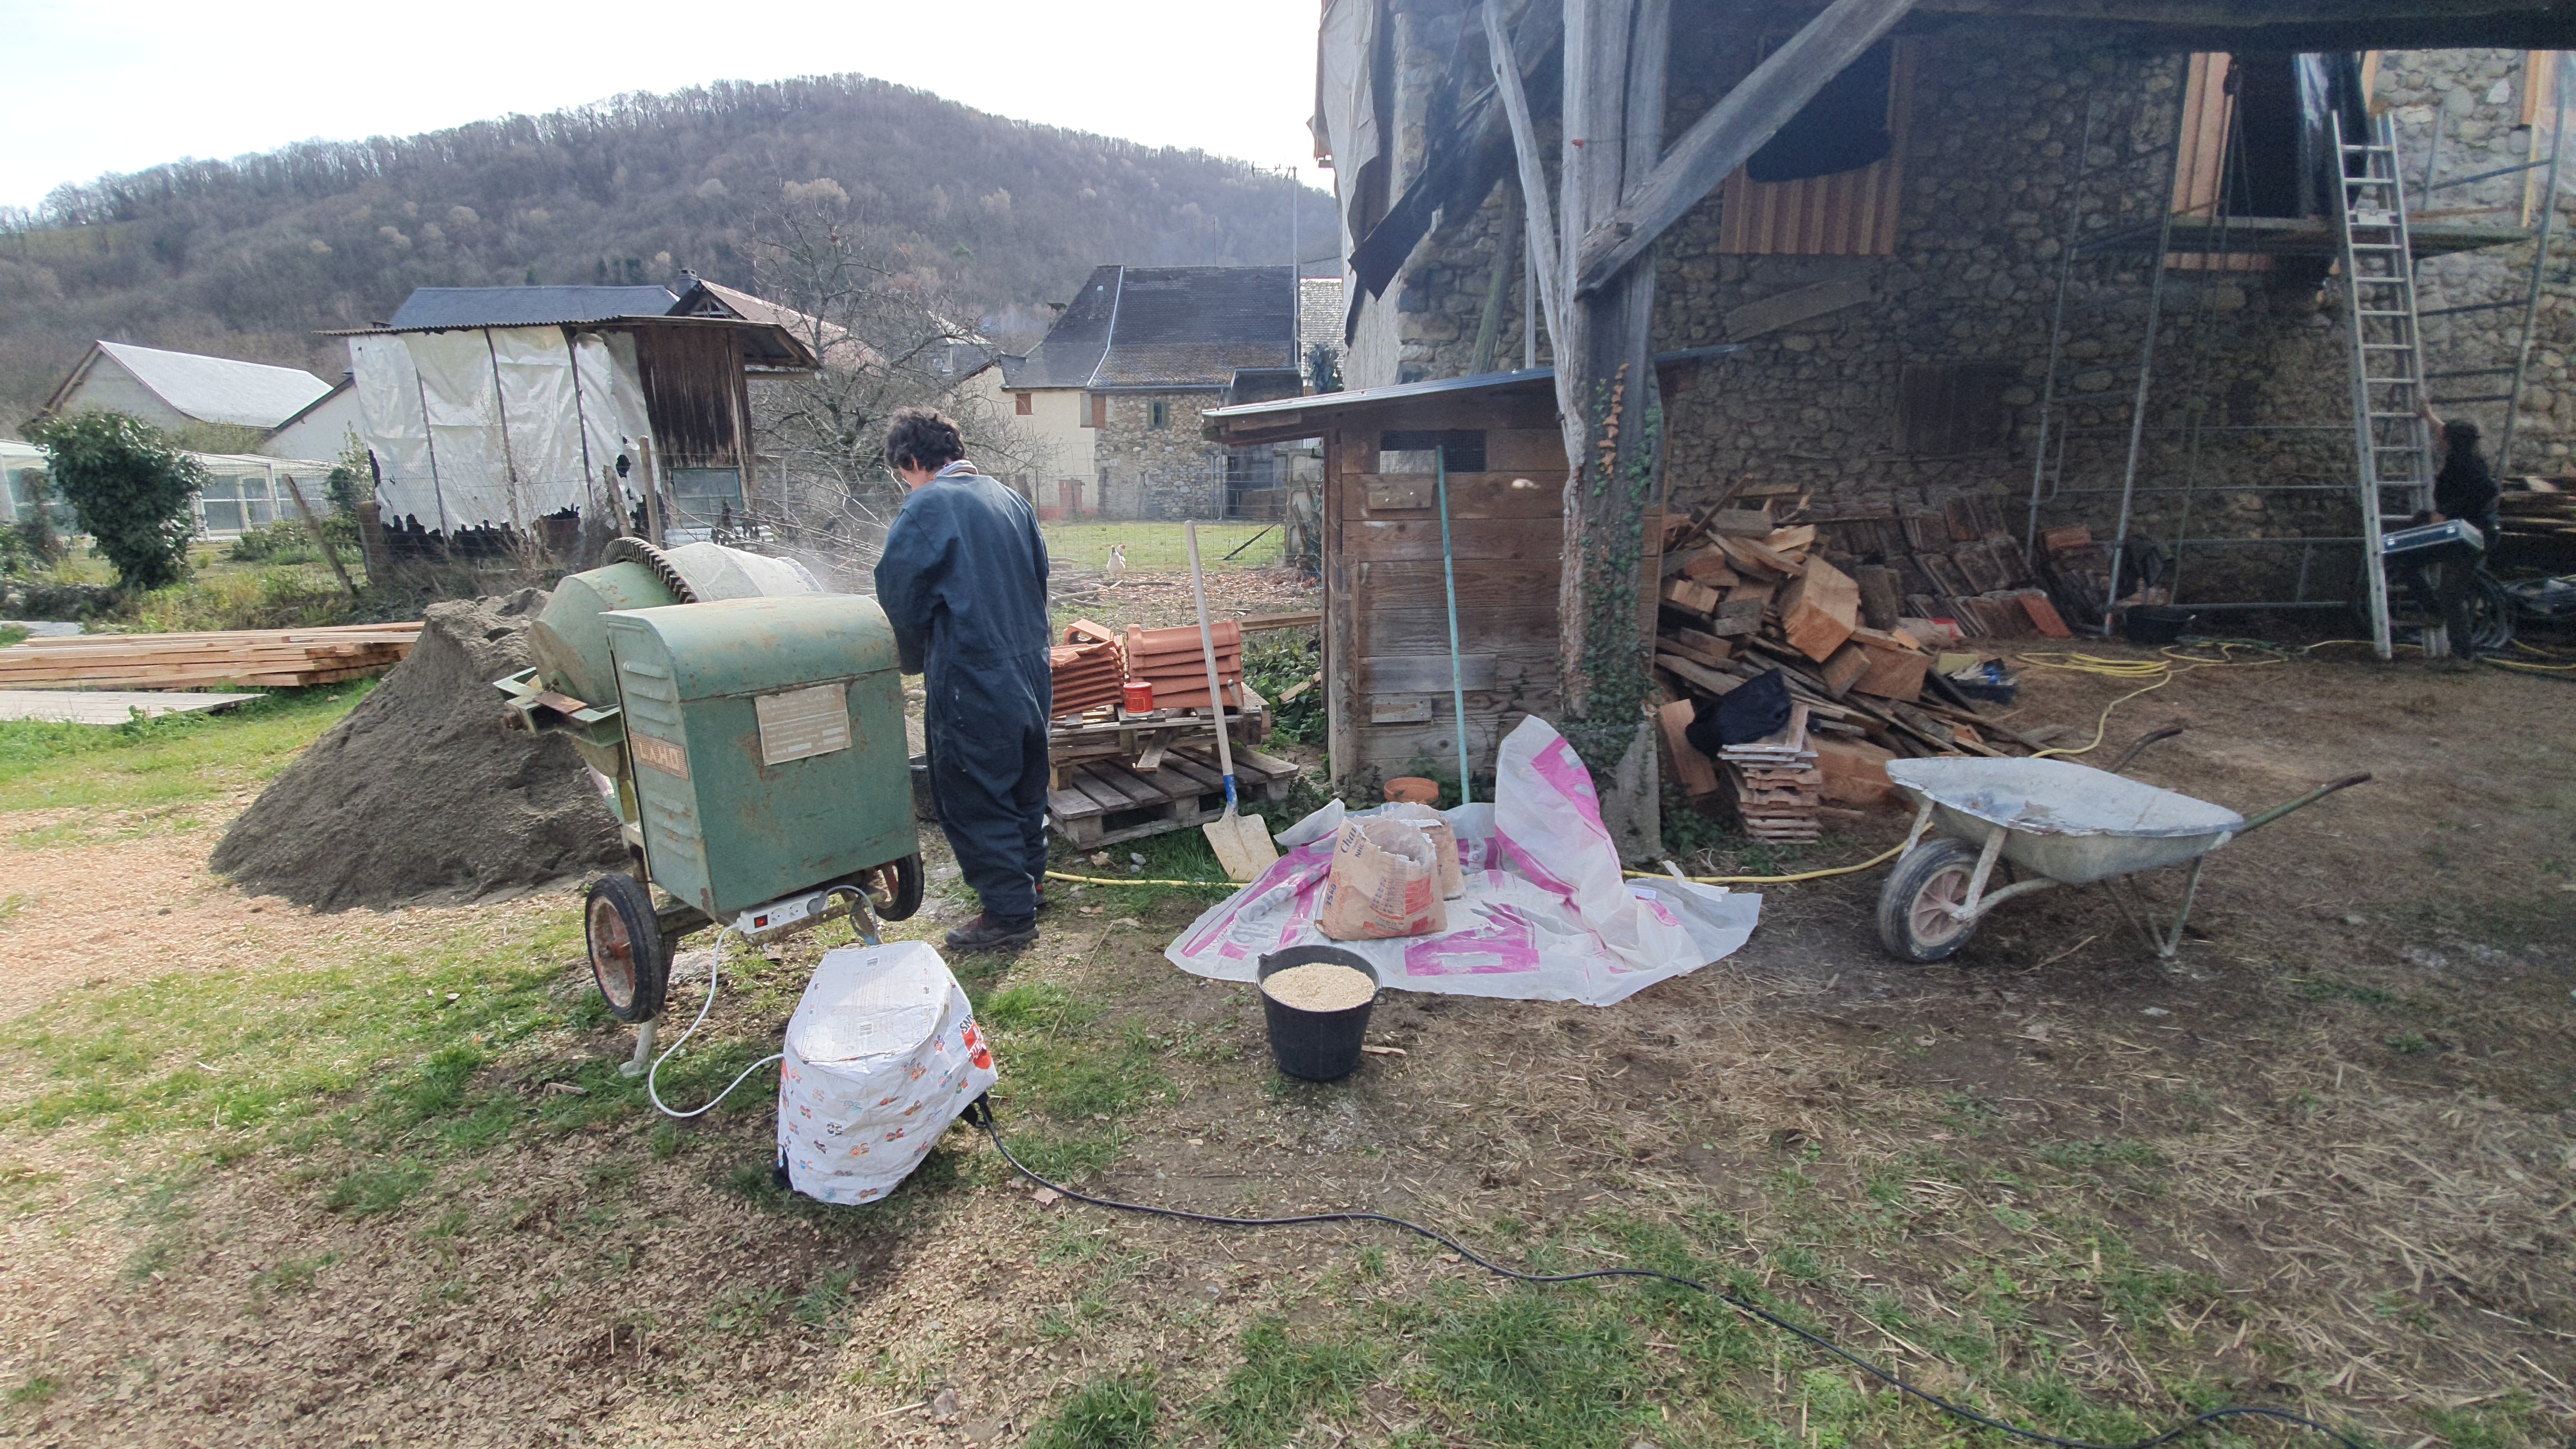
(252, 256)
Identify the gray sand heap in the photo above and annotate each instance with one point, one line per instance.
(419, 797)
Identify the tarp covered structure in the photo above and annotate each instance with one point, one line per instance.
(496, 425)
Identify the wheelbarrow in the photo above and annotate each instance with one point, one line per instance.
(2057, 823)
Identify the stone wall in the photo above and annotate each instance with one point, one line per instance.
(1165, 472)
(2258, 359)
(2475, 100)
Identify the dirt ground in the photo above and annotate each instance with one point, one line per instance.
(2324, 1159)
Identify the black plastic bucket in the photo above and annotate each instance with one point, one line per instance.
(1316, 1046)
(2155, 623)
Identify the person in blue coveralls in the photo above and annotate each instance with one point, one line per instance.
(963, 580)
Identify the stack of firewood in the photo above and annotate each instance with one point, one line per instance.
(1088, 668)
(1173, 662)
(1743, 594)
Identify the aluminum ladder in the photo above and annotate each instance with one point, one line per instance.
(2391, 442)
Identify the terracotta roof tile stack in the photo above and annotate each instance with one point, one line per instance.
(1087, 669)
(1173, 661)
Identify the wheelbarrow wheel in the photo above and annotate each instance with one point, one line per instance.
(628, 957)
(1914, 923)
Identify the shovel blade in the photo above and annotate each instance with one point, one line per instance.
(1242, 844)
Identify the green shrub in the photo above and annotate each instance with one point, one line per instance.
(130, 489)
(1277, 662)
(282, 542)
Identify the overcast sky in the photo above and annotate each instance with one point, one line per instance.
(92, 88)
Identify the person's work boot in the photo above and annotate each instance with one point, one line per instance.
(989, 933)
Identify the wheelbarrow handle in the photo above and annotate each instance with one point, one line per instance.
(2140, 747)
(2310, 798)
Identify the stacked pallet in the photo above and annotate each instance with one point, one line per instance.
(1774, 783)
(270, 658)
(1087, 669)
(1174, 663)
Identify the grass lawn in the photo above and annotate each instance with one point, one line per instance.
(1159, 547)
(418, 1140)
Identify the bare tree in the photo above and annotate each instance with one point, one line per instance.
(876, 317)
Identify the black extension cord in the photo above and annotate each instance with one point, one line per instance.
(980, 1113)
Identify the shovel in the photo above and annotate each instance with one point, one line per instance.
(1242, 843)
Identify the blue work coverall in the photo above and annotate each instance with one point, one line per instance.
(963, 580)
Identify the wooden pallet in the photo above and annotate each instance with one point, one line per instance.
(1104, 802)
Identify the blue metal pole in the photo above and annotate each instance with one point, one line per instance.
(1449, 582)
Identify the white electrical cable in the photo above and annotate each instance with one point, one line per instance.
(715, 963)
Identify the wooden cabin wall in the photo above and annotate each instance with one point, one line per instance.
(1388, 703)
(693, 394)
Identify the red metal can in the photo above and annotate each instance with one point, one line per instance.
(1139, 696)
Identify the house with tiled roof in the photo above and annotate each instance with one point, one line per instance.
(1116, 388)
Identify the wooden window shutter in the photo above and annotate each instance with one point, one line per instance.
(1949, 409)
(1848, 214)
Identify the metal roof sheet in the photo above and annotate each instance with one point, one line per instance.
(1167, 327)
(528, 306)
(219, 389)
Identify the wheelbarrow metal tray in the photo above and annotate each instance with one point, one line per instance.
(2068, 822)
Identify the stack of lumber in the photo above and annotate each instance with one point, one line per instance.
(1943, 554)
(1173, 662)
(1774, 783)
(272, 658)
(2537, 518)
(1737, 603)
(1088, 668)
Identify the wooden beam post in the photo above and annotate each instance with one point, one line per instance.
(1721, 140)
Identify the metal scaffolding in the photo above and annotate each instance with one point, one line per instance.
(2121, 272)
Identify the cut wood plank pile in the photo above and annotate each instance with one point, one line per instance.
(1172, 660)
(1774, 783)
(1948, 554)
(1087, 668)
(2539, 515)
(1743, 595)
(271, 658)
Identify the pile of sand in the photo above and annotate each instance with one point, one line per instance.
(420, 797)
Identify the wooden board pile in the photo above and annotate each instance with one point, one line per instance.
(1946, 554)
(2537, 518)
(1172, 660)
(1742, 596)
(1087, 669)
(270, 658)
(1774, 784)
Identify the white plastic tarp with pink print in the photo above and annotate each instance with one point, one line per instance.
(1546, 916)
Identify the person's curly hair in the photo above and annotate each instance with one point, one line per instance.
(923, 438)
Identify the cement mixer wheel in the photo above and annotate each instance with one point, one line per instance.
(894, 889)
(629, 957)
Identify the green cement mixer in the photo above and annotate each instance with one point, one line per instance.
(751, 726)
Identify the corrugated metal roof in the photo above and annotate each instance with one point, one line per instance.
(528, 306)
(1167, 327)
(219, 389)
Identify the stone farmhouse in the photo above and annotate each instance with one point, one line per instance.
(2078, 261)
(1114, 392)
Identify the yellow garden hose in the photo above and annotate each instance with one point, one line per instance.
(1879, 859)
(2159, 672)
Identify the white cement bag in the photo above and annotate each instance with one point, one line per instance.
(881, 1056)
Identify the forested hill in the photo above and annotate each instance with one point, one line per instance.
(248, 257)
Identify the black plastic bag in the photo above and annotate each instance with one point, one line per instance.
(1759, 708)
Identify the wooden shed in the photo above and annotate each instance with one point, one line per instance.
(1386, 622)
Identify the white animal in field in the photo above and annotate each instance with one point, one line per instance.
(1115, 566)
